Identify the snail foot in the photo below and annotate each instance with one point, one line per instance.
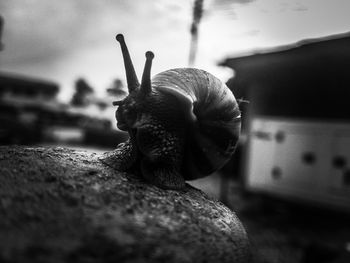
(165, 177)
(113, 160)
(121, 159)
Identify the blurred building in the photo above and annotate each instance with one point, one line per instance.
(30, 113)
(26, 105)
(297, 120)
(27, 90)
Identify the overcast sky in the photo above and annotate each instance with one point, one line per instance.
(66, 39)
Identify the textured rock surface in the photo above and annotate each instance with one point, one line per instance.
(60, 205)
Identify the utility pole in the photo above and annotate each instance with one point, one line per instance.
(197, 15)
(1, 28)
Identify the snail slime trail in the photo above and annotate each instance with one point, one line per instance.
(183, 124)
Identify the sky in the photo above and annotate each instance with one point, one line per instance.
(64, 40)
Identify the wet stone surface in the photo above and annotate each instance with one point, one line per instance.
(60, 205)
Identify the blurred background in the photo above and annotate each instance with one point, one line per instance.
(287, 63)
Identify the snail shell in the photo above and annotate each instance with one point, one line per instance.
(214, 115)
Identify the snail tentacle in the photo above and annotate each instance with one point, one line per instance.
(146, 76)
(131, 77)
(117, 103)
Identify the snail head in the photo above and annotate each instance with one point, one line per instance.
(129, 108)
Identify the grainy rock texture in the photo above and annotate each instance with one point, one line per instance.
(60, 205)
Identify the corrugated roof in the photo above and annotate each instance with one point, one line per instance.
(283, 48)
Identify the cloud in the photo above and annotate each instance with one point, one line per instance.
(35, 30)
(300, 7)
(38, 30)
(232, 2)
(224, 7)
(66, 39)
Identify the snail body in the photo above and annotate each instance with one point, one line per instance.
(183, 124)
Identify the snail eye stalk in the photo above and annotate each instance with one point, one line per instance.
(133, 82)
(146, 76)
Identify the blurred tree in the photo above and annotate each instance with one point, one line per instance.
(102, 105)
(82, 93)
(116, 89)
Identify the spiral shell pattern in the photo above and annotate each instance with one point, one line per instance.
(214, 116)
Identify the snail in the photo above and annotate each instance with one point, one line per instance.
(183, 124)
